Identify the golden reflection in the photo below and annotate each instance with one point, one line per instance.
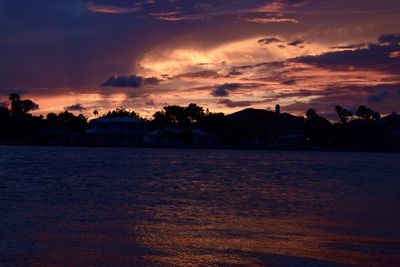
(204, 236)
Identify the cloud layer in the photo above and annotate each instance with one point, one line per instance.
(225, 56)
(133, 81)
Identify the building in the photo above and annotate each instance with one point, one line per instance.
(120, 131)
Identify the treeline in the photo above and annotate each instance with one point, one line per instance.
(17, 125)
(363, 130)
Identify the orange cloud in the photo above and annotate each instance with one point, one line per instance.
(281, 5)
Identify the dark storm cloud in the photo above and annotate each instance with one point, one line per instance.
(225, 89)
(234, 104)
(55, 47)
(381, 93)
(296, 42)
(390, 38)
(75, 107)
(61, 45)
(270, 65)
(234, 72)
(133, 81)
(365, 90)
(269, 40)
(124, 81)
(265, 65)
(40, 10)
(379, 97)
(381, 57)
(151, 81)
(200, 74)
(289, 82)
(175, 10)
(297, 94)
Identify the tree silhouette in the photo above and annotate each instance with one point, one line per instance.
(15, 103)
(5, 119)
(277, 109)
(20, 107)
(317, 129)
(120, 112)
(4, 113)
(52, 117)
(364, 113)
(27, 105)
(176, 115)
(67, 121)
(212, 122)
(343, 114)
(311, 113)
(194, 112)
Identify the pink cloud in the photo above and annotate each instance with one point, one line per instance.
(110, 9)
(272, 20)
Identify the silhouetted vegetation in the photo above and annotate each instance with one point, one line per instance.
(119, 112)
(18, 126)
(362, 131)
(179, 117)
(343, 114)
(192, 125)
(68, 121)
(364, 113)
(317, 129)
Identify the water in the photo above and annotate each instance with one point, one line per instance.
(156, 207)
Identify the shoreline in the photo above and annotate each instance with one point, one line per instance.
(184, 147)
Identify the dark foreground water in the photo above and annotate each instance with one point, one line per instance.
(154, 207)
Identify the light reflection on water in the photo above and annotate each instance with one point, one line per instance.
(135, 207)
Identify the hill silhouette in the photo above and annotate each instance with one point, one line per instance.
(257, 127)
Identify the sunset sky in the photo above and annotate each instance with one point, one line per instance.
(224, 55)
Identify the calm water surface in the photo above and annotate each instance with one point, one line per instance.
(155, 207)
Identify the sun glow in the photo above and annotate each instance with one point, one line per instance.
(180, 60)
(89, 102)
